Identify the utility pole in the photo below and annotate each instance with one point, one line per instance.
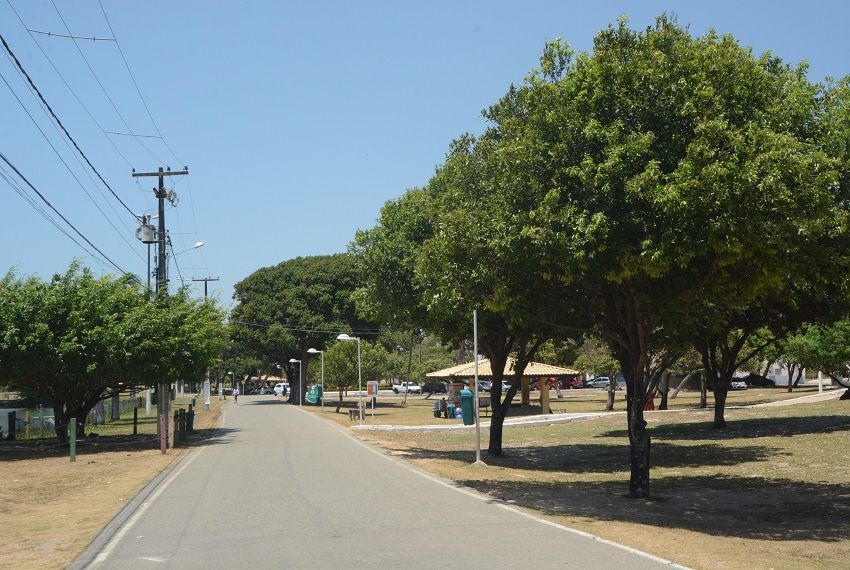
(206, 280)
(164, 389)
(161, 195)
(207, 381)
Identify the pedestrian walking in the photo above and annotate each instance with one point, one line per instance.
(236, 395)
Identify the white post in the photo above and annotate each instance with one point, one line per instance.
(820, 382)
(475, 356)
(207, 391)
(359, 383)
(147, 402)
(322, 353)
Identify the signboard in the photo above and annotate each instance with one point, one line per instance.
(372, 388)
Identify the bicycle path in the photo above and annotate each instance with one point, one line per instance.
(283, 488)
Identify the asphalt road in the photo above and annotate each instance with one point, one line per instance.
(284, 489)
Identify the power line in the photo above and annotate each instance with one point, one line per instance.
(105, 92)
(76, 97)
(68, 168)
(52, 207)
(59, 122)
(136, 85)
(324, 331)
(92, 38)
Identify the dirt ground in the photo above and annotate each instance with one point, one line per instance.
(771, 491)
(53, 508)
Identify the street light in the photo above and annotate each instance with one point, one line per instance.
(322, 352)
(196, 246)
(346, 337)
(300, 387)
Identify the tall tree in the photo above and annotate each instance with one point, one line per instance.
(672, 156)
(78, 339)
(299, 304)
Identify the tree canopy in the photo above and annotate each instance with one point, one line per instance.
(77, 339)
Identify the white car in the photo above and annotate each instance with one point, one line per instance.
(739, 385)
(410, 387)
(281, 389)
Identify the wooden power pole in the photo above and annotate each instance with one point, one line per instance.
(163, 395)
(206, 280)
(161, 195)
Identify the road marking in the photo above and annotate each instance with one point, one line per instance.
(492, 500)
(125, 528)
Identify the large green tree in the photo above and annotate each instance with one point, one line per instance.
(673, 170)
(77, 339)
(302, 303)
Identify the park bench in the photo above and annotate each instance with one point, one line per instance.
(354, 413)
(484, 405)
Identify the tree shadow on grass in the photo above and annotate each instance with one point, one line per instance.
(607, 458)
(720, 506)
(745, 428)
(22, 450)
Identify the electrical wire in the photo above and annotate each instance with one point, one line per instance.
(79, 101)
(64, 219)
(5, 175)
(59, 122)
(136, 85)
(71, 172)
(324, 331)
(100, 83)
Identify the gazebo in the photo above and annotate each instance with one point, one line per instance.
(534, 371)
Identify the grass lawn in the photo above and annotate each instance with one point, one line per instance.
(770, 491)
(53, 508)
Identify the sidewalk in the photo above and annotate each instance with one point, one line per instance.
(549, 419)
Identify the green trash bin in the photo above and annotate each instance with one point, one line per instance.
(450, 411)
(467, 406)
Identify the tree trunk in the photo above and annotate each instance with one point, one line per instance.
(409, 366)
(639, 442)
(609, 404)
(845, 395)
(664, 387)
(720, 393)
(703, 400)
(498, 408)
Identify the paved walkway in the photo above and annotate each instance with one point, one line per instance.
(548, 419)
(282, 488)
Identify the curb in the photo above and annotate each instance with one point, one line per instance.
(103, 537)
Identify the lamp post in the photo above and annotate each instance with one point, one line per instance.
(300, 386)
(232, 384)
(346, 337)
(322, 352)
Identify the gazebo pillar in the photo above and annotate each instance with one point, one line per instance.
(525, 383)
(543, 383)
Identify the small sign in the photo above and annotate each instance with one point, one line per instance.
(372, 388)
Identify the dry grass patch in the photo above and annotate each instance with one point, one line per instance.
(771, 491)
(55, 507)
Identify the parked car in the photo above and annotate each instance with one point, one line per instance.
(435, 387)
(758, 381)
(265, 390)
(739, 385)
(599, 382)
(573, 383)
(409, 387)
(281, 388)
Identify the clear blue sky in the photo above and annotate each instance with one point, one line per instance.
(297, 120)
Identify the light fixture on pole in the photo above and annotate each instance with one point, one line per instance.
(196, 246)
(322, 352)
(300, 387)
(346, 337)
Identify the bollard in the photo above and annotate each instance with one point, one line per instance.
(182, 422)
(12, 425)
(174, 434)
(135, 421)
(163, 426)
(72, 435)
